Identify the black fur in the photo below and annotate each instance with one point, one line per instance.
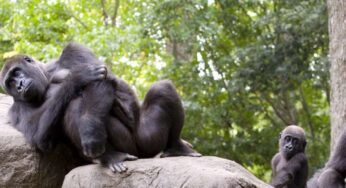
(334, 173)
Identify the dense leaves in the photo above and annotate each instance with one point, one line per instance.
(245, 69)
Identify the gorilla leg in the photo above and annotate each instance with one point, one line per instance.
(121, 137)
(111, 157)
(161, 121)
(97, 101)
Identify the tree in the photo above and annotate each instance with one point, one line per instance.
(337, 55)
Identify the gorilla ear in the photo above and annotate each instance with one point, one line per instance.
(280, 135)
(304, 144)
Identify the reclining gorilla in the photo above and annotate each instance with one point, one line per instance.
(290, 166)
(99, 112)
(34, 112)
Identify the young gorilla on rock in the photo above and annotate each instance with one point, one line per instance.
(104, 120)
(290, 166)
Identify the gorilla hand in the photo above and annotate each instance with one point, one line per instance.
(114, 160)
(84, 74)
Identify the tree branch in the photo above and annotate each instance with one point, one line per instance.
(69, 12)
(281, 113)
(104, 13)
(114, 17)
(308, 114)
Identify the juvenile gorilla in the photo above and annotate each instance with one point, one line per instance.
(290, 166)
(103, 119)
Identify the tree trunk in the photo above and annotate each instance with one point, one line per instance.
(337, 52)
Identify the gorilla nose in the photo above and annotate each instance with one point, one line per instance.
(20, 86)
(288, 147)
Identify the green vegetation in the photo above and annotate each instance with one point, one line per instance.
(244, 69)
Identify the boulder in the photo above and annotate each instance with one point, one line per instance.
(21, 165)
(166, 173)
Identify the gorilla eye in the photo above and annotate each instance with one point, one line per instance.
(16, 73)
(28, 59)
(294, 141)
(288, 138)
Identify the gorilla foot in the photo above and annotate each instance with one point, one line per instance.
(117, 167)
(182, 148)
(187, 143)
(114, 160)
(93, 149)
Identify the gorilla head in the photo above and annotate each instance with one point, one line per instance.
(24, 79)
(292, 141)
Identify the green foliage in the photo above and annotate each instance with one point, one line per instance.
(245, 69)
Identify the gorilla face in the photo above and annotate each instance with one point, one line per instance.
(24, 79)
(291, 144)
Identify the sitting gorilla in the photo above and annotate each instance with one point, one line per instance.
(290, 166)
(334, 173)
(101, 117)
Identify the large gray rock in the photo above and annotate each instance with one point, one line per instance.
(208, 172)
(21, 165)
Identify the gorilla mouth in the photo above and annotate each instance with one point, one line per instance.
(27, 87)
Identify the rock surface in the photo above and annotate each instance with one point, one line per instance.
(21, 165)
(208, 172)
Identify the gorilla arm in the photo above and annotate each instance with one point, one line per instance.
(286, 174)
(274, 163)
(51, 111)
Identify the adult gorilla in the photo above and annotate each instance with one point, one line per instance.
(108, 133)
(35, 113)
(334, 173)
(290, 166)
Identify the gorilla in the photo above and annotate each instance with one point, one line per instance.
(325, 178)
(290, 165)
(34, 113)
(334, 173)
(99, 112)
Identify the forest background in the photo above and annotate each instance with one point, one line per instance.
(244, 68)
